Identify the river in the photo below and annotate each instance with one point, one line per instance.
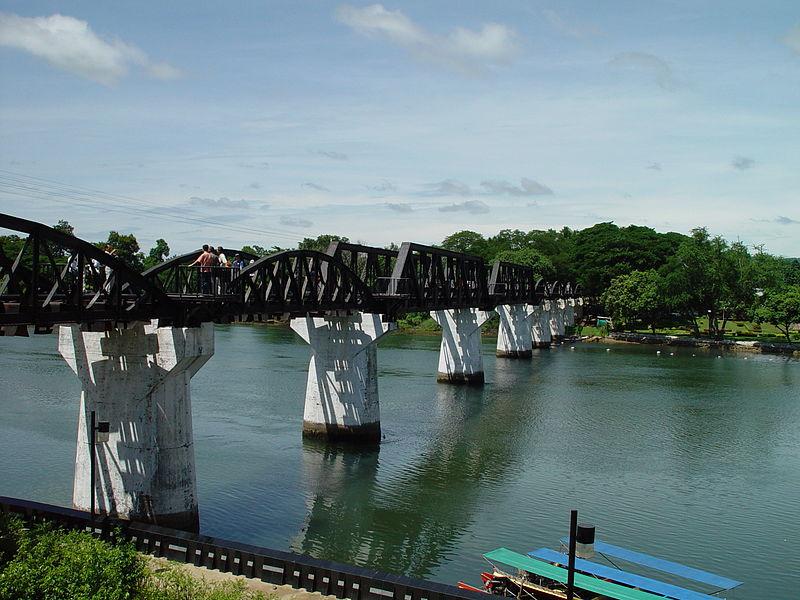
(691, 457)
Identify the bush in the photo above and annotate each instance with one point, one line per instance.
(54, 564)
(175, 583)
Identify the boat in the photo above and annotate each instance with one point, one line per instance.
(544, 574)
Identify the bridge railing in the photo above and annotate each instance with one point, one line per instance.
(272, 566)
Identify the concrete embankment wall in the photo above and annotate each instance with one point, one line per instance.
(689, 342)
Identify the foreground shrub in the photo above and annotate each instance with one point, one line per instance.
(55, 564)
(176, 583)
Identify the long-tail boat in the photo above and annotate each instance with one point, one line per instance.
(544, 574)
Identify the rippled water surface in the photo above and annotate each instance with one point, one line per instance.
(694, 458)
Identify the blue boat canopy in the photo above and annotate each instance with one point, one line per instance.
(625, 577)
(665, 566)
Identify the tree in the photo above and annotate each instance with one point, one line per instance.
(468, 242)
(64, 227)
(635, 297)
(261, 250)
(529, 257)
(157, 254)
(605, 251)
(708, 277)
(126, 248)
(321, 242)
(781, 308)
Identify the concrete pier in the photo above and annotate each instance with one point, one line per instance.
(540, 330)
(460, 358)
(342, 389)
(557, 319)
(569, 312)
(137, 379)
(514, 333)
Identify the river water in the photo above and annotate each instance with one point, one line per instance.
(693, 458)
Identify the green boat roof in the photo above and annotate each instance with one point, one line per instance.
(584, 582)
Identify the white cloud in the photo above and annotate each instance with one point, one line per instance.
(71, 45)
(527, 187)
(792, 39)
(657, 67)
(332, 155)
(462, 50)
(448, 187)
(295, 221)
(476, 207)
(401, 208)
(309, 185)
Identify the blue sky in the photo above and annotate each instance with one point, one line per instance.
(265, 122)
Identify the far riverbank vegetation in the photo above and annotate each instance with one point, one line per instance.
(643, 280)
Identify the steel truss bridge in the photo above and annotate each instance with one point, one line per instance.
(58, 278)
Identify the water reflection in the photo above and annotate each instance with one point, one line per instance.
(409, 521)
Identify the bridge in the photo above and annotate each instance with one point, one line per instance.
(136, 339)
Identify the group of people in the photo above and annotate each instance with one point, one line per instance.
(211, 263)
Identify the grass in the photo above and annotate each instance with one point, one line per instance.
(734, 330)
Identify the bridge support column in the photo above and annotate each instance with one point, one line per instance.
(342, 389)
(542, 337)
(460, 358)
(514, 333)
(569, 312)
(137, 379)
(557, 319)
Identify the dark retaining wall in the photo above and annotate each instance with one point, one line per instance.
(272, 566)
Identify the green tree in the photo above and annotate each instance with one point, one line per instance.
(708, 277)
(635, 297)
(261, 250)
(529, 257)
(321, 242)
(468, 242)
(126, 248)
(64, 227)
(605, 251)
(780, 308)
(157, 254)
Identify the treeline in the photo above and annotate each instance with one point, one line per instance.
(651, 279)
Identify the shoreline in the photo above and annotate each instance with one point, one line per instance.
(691, 342)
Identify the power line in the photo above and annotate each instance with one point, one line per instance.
(29, 186)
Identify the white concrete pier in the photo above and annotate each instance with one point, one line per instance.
(569, 312)
(540, 326)
(342, 389)
(137, 379)
(557, 319)
(514, 332)
(460, 358)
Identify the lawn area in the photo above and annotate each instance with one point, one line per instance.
(734, 330)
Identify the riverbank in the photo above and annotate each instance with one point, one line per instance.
(691, 342)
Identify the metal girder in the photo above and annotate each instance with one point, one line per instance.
(372, 265)
(58, 278)
(427, 278)
(511, 283)
(299, 282)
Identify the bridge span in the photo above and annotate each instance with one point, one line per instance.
(135, 340)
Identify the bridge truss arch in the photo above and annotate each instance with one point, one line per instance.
(299, 283)
(58, 278)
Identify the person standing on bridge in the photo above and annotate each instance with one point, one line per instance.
(205, 261)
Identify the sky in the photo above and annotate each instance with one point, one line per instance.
(267, 122)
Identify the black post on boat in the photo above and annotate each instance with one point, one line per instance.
(573, 529)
